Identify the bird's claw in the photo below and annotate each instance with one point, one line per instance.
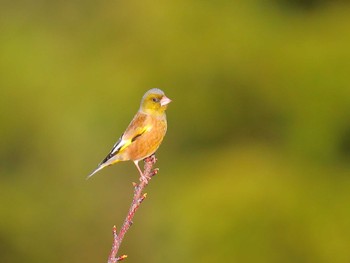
(145, 178)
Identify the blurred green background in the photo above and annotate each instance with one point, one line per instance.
(255, 165)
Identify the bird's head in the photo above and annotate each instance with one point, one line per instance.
(154, 102)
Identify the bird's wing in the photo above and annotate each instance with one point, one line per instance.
(141, 124)
(114, 151)
(136, 128)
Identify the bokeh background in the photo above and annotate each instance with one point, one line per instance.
(255, 165)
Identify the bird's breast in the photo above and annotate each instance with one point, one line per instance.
(149, 142)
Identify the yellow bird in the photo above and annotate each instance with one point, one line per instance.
(144, 134)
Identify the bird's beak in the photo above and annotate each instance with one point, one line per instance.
(164, 101)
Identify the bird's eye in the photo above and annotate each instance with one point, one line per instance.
(155, 100)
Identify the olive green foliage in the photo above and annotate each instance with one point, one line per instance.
(255, 165)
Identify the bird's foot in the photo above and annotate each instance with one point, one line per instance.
(145, 178)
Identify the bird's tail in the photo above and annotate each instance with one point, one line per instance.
(99, 168)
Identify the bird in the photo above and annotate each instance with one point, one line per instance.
(144, 134)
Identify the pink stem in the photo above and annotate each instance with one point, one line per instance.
(137, 200)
